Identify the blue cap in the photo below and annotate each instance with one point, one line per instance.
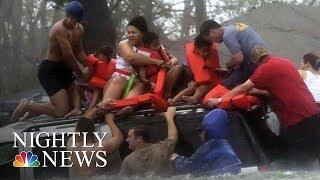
(215, 124)
(74, 9)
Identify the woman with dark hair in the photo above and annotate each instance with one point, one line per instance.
(310, 75)
(128, 56)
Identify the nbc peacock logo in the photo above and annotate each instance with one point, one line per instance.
(26, 159)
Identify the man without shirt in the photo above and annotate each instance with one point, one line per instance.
(55, 73)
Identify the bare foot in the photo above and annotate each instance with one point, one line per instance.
(20, 110)
(105, 104)
(190, 99)
(74, 112)
(125, 110)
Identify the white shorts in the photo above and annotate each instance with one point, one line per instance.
(115, 74)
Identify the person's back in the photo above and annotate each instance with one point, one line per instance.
(151, 158)
(246, 37)
(293, 101)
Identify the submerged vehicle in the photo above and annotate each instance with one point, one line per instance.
(151, 107)
(241, 137)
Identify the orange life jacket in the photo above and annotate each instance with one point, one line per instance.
(203, 69)
(152, 70)
(102, 70)
(242, 101)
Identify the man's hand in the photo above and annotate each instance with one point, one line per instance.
(109, 117)
(191, 83)
(173, 156)
(254, 91)
(172, 62)
(214, 102)
(223, 71)
(105, 105)
(171, 112)
(160, 63)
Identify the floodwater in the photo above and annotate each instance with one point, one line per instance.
(279, 175)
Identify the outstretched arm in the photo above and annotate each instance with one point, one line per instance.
(172, 129)
(243, 88)
(112, 144)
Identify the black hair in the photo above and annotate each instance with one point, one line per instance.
(149, 37)
(207, 25)
(107, 51)
(200, 42)
(311, 58)
(85, 125)
(143, 131)
(140, 23)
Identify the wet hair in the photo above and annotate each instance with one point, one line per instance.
(200, 42)
(140, 23)
(85, 125)
(149, 37)
(143, 131)
(207, 25)
(311, 58)
(107, 51)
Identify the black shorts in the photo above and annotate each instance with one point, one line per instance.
(54, 76)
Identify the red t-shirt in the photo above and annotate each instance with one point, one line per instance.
(293, 102)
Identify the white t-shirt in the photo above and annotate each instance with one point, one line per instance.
(313, 83)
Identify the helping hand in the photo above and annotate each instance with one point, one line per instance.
(171, 112)
(191, 83)
(172, 62)
(213, 102)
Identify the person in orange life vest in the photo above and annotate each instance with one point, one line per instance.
(195, 92)
(103, 54)
(293, 104)
(151, 41)
(89, 93)
(127, 56)
(148, 73)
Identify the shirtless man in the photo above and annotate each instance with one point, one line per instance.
(56, 72)
(109, 145)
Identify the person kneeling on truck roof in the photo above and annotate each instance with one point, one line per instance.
(292, 102)
(215, 156)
